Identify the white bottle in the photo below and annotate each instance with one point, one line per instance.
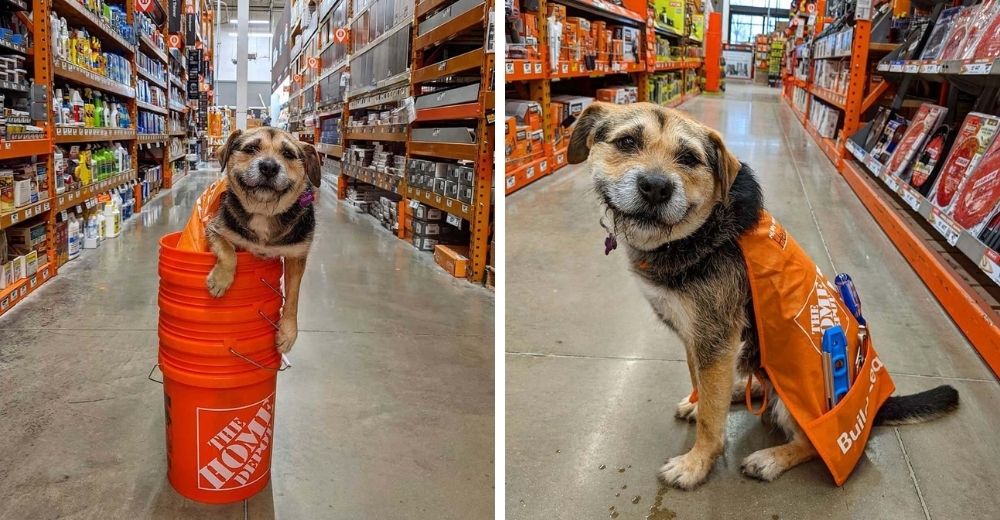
(91, 237)
(102, 223)
(74, 237)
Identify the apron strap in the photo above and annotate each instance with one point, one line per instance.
(749, 393)
(694, 396)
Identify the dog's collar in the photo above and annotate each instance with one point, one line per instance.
(307, 198)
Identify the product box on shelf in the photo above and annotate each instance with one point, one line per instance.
(670, 14)
(453, 258)
(620, 95)
(940, 33)
(889, 138)
(928, 163)
(924, 123)
(954, 44)
(979, 193)
(974, 137)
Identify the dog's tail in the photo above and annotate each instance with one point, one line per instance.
(917, 408)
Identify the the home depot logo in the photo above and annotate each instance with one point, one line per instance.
(820, 311)
(234, 445)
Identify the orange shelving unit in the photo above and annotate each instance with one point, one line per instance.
(46, 70)
(962, 274)
(533, 79)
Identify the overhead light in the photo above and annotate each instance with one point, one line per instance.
(253, 35)
(234, 21)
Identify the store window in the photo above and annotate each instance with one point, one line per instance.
(743, 27)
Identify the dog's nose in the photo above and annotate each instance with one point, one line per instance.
(268, 167)
(655, 189)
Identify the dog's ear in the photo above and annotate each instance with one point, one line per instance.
(227, 149)
(310, 158)
(583, 132)
(725, 166)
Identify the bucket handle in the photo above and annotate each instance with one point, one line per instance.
(150, 376)
(282, 366)
(271, 287)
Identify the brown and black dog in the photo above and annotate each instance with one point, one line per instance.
(268, 211)
(680, 200)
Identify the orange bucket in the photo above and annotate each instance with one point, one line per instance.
(219, 373)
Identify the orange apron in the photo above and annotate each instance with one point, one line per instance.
(193, 235)
(794, 303)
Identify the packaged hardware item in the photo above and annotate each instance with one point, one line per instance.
(928, 163)
(889, 139)
(940, 33)
(978, 25)
(974, 137)
(877, 127)
(980, 192)
(924, 123)
(953, 45)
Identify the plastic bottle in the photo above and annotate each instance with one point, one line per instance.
(76, 104)
(112, 220)
(91, 238)
(74, 237)
(102, 225)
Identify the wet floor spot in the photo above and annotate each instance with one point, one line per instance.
(558, 451)
(602, 466)
(657, 511)
(624, 486)
(636, 499)
(775, 517)
(614, 514)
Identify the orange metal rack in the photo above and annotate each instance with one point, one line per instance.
(532, 80)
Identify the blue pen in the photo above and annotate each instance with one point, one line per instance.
(850, 296)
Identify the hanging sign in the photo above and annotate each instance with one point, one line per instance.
(174, 41)
(192, 88)
(174, 16)
(191, 28)
(314, 63)
(341, 34)
(193, 62)
(144, 6)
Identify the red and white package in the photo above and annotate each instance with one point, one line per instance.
(989, 46)
(979, 193)
(954, 45)
(973, 139)
(977, 28)
(924, 124)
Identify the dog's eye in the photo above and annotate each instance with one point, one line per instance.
(689, 159)
(288, 154)
(252, 149)
(627, 144)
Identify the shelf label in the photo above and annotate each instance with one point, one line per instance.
(911, 197)
(33, 281)
(930, 68)
(891, 182)
(911, 67)
(896, 66)
(977, 68)
(510, 67)
(24, 291)
(538, 67)
(560, 158)
(453, 220)
(945, 226)
(530, 172)
(14, 218)
(4, 304)
(543, 166)
(526, 67)
(511, 181)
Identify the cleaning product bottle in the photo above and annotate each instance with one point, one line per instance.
(112, 223)
(77, 104)
(98, 111)
(91, 237)
(102, 224)
(74, 237)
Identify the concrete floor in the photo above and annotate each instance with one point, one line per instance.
(387, 412)
(593, 379)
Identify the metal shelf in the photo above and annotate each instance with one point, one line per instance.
(147, 46)
(76, 14)
(79, 134)
(78, 196)
(151, 78)
(446, 204)
(13, 149)
(151, 108)
(24, 213)
(16, 292)
(70, 72)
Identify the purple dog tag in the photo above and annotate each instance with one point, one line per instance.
(306, 198)
(610, 244)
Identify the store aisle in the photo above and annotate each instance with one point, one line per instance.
(387, 412)
(597, 380)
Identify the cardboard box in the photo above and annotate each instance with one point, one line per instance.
(424, 243)
(31, 263)
(574, 104)
(427, 213)
(453, 258)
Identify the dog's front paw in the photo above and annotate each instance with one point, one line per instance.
(686, 410)
(686, 471)
(288, 331)
(763, 465)
(219, 281)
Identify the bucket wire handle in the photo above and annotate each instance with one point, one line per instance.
(150, 376)
(271, 287)
(282, 366)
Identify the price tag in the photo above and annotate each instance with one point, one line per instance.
(509, 67)
(564, 67)
(511, 181)
(29, 212)
(453, 220)
(560, 158)
(530, 172)
(944, 226)
(538, 67)
(892, 182)
(4, 304)
(33, 281)
(897, 66)
(911, 67)
(526, 67)
(930, 68)
(14, 217)
(977, 68)
(876, 167)
(544, 166)
(24, 291)
(911, 198)
(883, 67)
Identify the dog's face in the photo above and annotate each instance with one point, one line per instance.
(268, 166)
(659, 172)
